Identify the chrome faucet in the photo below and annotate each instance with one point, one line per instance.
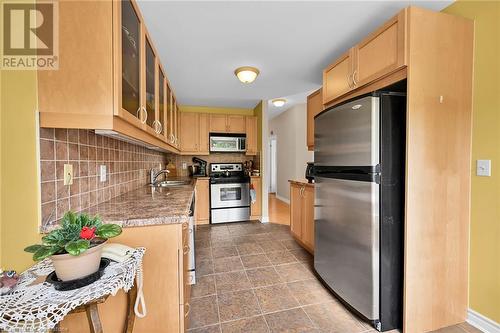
(153, 175)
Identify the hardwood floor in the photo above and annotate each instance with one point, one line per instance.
(279, 211)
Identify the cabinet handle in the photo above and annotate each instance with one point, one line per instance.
(188, 309)
(186, 249)
(354, 77)
(146, 117)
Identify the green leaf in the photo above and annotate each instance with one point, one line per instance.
(33, 248)
(108, 230)
(53, 238)
(68, 219)
(44, 252)
(77, 247)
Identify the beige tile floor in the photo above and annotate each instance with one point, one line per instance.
(254, 277)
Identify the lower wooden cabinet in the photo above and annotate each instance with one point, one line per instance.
(302, 214)
(256, 207)
(202, 201)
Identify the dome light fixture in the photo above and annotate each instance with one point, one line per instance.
(246, 74)
(278, 102)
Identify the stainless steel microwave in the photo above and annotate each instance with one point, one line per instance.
(227, 143)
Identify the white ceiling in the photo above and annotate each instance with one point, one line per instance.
(201, 43)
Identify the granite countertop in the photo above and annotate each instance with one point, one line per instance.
(144, 206)
(301, 182)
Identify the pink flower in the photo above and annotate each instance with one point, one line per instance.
(87, 233)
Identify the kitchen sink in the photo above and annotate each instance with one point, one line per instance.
(169, 183)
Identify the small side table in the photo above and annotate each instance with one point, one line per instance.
(93, 313)
(35, 305)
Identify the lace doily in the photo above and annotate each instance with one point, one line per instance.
(39, 307)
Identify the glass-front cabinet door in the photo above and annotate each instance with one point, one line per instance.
(130, 62)
(150, 78)
(170, 117)
(161, 103)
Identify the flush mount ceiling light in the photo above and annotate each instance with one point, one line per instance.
(278, 102)
(246, 74)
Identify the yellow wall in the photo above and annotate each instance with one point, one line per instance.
(484, 286)
(208, 109)
(19, 168)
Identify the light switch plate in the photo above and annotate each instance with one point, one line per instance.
(184, 166)
(483, 168)
(102, 173)
(68, 174)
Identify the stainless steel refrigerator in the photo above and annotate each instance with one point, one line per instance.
(359, 168)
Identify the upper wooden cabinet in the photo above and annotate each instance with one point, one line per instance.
(218, 123)
(110, 77)
(379, 54)
(251, 130)
(194, 134)
(337, 77)
(222, 123)
(314, 107)
(236, 124)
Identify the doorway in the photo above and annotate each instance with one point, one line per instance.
(273, 167)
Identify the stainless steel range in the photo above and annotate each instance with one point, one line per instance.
(229, 193)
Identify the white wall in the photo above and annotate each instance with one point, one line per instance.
(292, 155)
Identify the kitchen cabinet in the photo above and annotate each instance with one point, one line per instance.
(194, 137)
(379, 54)
(256, 207)
(204, 134)
(166, 285)
(110, 77)
(252, 135)
(314, 107)
(337, 78)
(218, 123)
(222, 123)
(236, 124)
(190, 134)
(202, 202)
(302, 214)
(410, 53)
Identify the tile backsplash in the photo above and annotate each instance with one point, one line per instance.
(127, 168)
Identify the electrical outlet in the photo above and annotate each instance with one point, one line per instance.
(102, 173)
(184, 165)
(68, 174)
(483, 168)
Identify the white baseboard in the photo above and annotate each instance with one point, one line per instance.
(482, 323)
(279, 197)
(264, 219)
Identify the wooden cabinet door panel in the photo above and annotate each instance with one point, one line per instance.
(308, 218)
(382, 52)
(190, 131)
(236, 124)
(218, 123)
(256, 207)
(314, 106)
(336, 78)
(251, 131)
(202, 207)
(204, 121)
(296, 210)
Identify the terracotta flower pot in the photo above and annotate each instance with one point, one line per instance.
(70, 267)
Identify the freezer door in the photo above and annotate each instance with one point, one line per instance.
(348, 135)
(347, 241)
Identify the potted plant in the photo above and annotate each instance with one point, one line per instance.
(75, 248)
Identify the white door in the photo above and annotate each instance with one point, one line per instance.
(273, 166)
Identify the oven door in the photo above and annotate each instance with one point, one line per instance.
(230, 195)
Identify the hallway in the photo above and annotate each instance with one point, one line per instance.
(279, 211)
